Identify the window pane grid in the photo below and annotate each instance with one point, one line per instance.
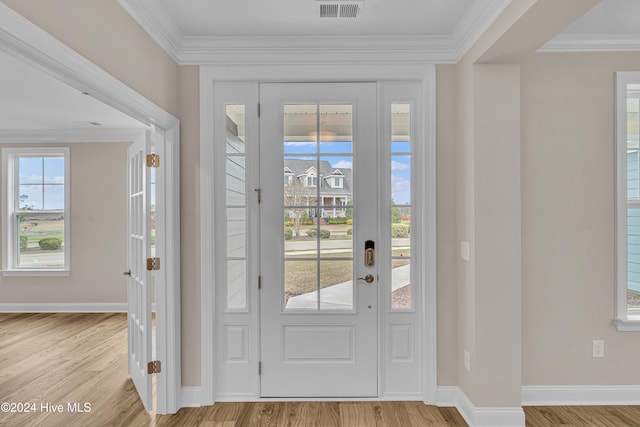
(400, 166)
(236, 204)
(318, 161)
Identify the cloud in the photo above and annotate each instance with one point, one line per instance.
(400, 188)
(298, 143)
(398, 166)
(343, 164)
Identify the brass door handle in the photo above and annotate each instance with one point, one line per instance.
(368, 278)
(127, 273)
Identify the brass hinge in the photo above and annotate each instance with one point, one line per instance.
(153, 160)
(153, 264)
(259, 282)
(258, 109)
(259, 368)
(153, 367)
(259, 191)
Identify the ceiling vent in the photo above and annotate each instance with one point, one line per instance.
(340, 9)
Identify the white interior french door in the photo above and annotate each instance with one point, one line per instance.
(318, 172)
(139, 277)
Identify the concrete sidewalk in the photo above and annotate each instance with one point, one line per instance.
(340, 296)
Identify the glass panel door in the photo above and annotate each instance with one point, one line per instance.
(318, 180)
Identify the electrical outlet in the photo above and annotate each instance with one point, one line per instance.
(598, 349)
(465, 251)
(467, 360)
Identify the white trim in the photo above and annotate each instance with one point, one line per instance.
(61, 136)
(35, 273)
(191, 397)
(224, 50)
(580, 395)
(26, 41)
(480, 416)
(447, 396)
(592, 43)
(154, 19)
(627, 325)
(85, 307)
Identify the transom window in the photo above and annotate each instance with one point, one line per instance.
(36, 210)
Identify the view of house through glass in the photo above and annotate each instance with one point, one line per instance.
(318, 207)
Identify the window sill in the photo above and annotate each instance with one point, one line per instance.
(35, 273)
(628, 325)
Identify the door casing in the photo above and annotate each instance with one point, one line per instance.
(246, 77)
(26, 41)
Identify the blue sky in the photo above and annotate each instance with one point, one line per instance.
(41, 182)
(400, 164)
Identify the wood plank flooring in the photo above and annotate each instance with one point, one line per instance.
(82, 358)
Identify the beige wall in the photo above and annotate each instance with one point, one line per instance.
(447, 249)
(568, 221)
(98, 233)
(104, 33)
(189, 113)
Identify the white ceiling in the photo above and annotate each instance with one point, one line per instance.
(206, 18)
(611, 25)
(31, 100)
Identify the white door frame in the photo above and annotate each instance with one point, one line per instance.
(28, 42)
(285, 69)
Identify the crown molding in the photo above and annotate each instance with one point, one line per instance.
(407, 49)
(474, 23)
(60, 136)
(592, 43)
(316, 50)
(155, 20)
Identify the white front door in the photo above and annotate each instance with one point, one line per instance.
(139, 280)
(319, 321)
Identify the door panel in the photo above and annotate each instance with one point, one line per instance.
(318, 323)
(139, 280)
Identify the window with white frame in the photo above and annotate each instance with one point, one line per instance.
(627, 201)
(35, 217)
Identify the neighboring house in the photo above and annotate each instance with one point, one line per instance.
(301, 180)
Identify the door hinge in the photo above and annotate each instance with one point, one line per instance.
(259, 191)
(259, 282)
(153, 160)
(258, 110)
(153, 367)
(153, 264)
(259, 368)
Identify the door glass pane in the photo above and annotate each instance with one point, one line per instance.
(336, 129)
(236, 211)
(235, 129)
(400, 209)
(318, 207)
(237, 283)
(301, 284)
(336, 283)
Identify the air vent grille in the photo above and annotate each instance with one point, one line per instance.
(340, 9)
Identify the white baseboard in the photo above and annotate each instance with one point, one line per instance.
(101, 307)
(580, 395)
(191, 397)
(479, 416)
(83, 307)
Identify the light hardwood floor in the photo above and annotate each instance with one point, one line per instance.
(67, 358)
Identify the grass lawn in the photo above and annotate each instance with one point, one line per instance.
(301, 276)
